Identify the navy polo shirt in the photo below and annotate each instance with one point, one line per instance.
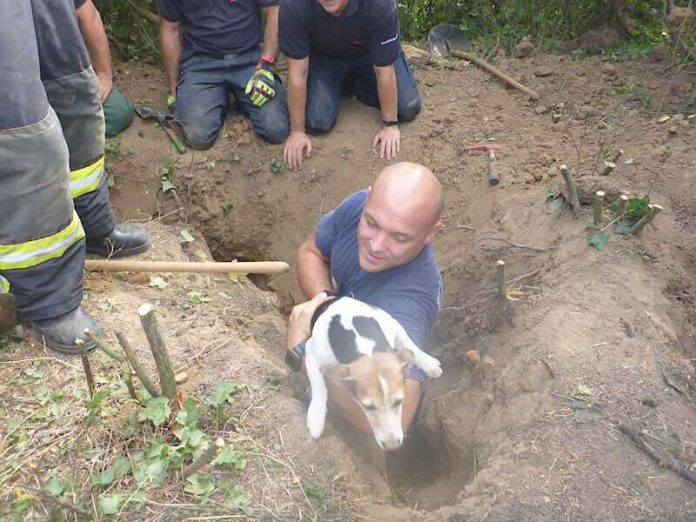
(364, 26)
(217, 27)
(79, 3)
(410, 293)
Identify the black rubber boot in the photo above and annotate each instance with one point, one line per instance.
(123, 241)
(60, 333)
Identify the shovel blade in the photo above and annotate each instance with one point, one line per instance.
(8, 312)
(146, 112)
(445, 38)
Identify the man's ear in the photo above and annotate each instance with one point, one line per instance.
(434, 231)
(405, 358)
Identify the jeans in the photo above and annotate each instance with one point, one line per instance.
(203, 94)
(326, 76)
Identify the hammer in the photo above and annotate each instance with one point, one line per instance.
(150, 113)
(489, 149)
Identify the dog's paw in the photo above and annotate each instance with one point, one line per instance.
(315, 421)
(431, 367)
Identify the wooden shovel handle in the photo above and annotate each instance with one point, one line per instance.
(497, 73)
(208, 267)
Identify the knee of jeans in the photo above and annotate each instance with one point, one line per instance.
(197, 138)
(320, 123)
(410, 109)
(274, 132)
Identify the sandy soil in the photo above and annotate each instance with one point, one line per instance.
(589, 340)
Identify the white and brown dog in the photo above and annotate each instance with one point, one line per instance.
(368, 350)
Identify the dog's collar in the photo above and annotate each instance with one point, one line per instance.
(322, 308)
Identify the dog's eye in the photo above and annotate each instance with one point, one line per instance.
(397, 403)
(369, 407)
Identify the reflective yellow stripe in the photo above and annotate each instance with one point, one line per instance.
(37, 251)
(4, 285)
(86, 179)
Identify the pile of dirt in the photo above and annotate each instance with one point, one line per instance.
(586, 343)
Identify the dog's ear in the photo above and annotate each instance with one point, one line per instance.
(339, 373)
(405, 358)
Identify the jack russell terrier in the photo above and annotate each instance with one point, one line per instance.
(366, 349)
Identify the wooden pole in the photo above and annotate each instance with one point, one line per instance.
(86, 367)
(159, 351)
(618, 154)
(497, 73)
(135, 364)
(609, 166)
(203, 459)
(500, 268)
(598, 210)
(572, 190)
(623, 201)
(653, 210)
(493, 179)
(205, 267)
(103, 347)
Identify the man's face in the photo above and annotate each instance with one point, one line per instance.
(334, 7)
(387, 239)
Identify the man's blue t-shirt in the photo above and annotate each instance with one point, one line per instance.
(368, 27)
(217, 27)
(411, 293)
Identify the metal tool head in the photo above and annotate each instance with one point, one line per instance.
(483, 147)
(445, 38)
(146, 113)
(8, 312)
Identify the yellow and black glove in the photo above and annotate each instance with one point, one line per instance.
(261, 86)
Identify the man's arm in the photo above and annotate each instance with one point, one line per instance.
(298, 141)
(389, 137)
(313, 271)
(93, 32)
(270, 35)
(170, 45)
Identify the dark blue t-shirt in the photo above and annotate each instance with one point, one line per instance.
(217, 27)
(411, 293)
(364, 27)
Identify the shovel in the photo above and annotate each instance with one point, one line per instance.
(449, 40)
(8, 312)
(150, 113)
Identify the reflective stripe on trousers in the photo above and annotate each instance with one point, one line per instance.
(86, 179)
(37, 251)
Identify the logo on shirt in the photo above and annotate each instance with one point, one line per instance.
(390, 40)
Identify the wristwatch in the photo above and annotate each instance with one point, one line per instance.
(293, 356)
(390, 123)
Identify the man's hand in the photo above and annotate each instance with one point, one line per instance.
(301, 318)
(261, 86)
(106, 84)
(171, 103)
(294, 149)
(389, 142)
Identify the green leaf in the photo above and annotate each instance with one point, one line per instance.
(42, 394)
(110, 504)
(153, 471)
(189, 415)
(55, 486)
(156, 410)
(228, 456)
(623, 227)
(167, 184)
(184, 237)
(110, 181)
(235, 499)
(582, 392)
(638, 207)
(108, 304)
(226, 207)
(313, 491)
(277, 166)
(158, 282)
(210, 165)
(199, 485)
(103, 479)
(223, 393)
(599, 240)
(197, 297)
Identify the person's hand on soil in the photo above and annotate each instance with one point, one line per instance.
(389, 142)
(294, 149)
(301, 318)
(106, 84)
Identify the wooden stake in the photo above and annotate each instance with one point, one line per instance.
(127, 375)
(609, 166)
(500, 267)
(623, 201)
(618, 154)
(203, 459)
(86, 367)
(598, 207)
(493, 179)
(653, 210)
(135, 364)
(199, 267)
(572, 190)
(159, 351)
(103, 347)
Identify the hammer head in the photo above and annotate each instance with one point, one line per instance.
(150, 113)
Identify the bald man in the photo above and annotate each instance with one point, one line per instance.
(376, 246)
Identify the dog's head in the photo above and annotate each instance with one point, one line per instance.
(377, 384)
